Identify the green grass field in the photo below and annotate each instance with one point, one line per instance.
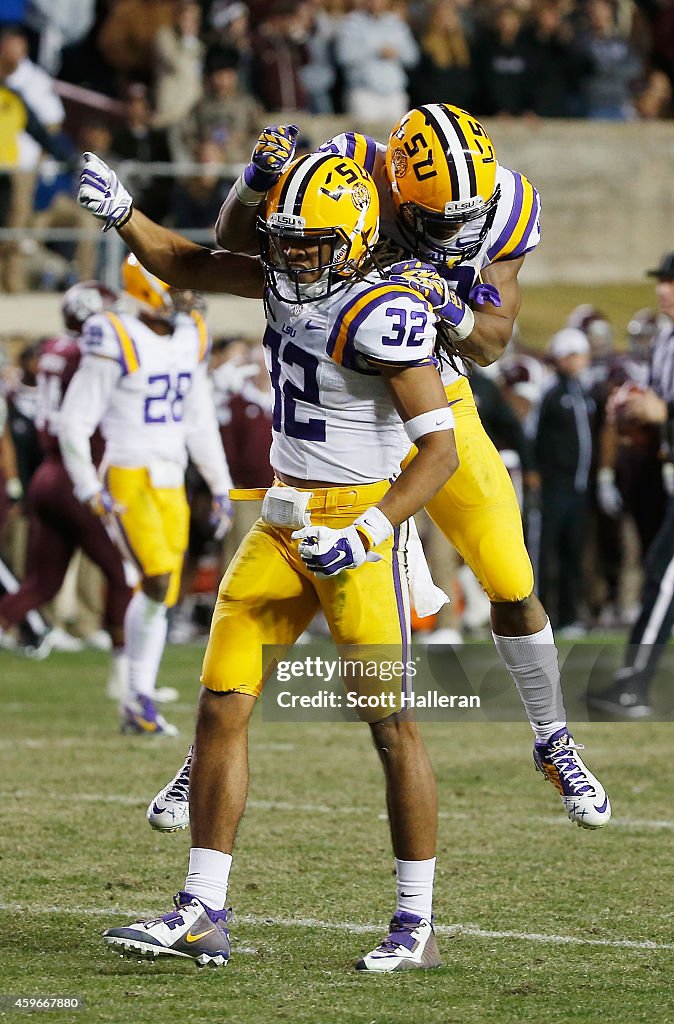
(538, 920)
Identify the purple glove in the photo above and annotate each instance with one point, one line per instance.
(103, 505)
(273, 152)
(221, 515)
(482, 293)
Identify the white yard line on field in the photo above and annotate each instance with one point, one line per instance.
(458, 930)
(302, 808)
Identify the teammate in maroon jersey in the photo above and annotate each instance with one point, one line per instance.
(58, 522)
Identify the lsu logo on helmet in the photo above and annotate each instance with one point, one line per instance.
(441, 165)
(319, 224)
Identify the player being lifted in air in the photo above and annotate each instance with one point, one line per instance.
(446, 200)
(351, 359)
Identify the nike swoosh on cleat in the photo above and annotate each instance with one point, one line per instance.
(157, 810)
(194, 938)
(409, 895)
(600, 810)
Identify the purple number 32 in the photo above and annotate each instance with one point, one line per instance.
(402, 335)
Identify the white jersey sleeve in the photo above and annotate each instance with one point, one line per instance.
(83, 407)
(517, 225)
(384, 324)
(202, 436)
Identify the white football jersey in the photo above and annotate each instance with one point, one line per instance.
(151, 397)
(145, 415)
(515, 230)
(333, 418)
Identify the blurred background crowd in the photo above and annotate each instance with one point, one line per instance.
(183, 84)
(174, 94)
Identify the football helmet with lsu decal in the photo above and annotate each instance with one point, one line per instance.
(319, 224)
(441, 166)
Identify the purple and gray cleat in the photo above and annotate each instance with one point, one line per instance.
(140, 716)
(410, 945)
(192, 931)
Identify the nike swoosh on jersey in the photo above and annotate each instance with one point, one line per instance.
(200, 935)
(313, 327)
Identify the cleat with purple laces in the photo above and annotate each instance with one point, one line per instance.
(170, 809)
(410, 945)
(584, 798)
(140, 716)
(192, 931)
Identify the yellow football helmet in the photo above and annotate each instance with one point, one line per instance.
(320, 221)
(155, 296)
(441, 166)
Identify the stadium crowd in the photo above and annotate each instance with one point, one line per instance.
(176, 81)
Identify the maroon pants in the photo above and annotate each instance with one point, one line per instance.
(58, 524)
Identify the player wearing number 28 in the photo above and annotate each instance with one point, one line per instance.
(143, 380)
(351, 358)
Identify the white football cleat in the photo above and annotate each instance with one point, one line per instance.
(170, 809)
(584, 798)
(410, 945)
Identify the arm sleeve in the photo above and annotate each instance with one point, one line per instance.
(83, 406)
(202, 435)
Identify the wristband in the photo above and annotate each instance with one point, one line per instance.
(374, 526)
(247, 196)
(606, 475)
(429, 423)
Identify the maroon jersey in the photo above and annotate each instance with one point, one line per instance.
(59, 359)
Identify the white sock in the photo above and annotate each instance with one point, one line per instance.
(145, 633)
(415, 886)
(533, 663)
(118, 679)
(208, 875)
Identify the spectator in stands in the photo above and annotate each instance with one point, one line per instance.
(555, 64)
(128, 33)
(225, 114)
(136, 139)
(198, 198)
(445, 71)
(178, 55)
(16, 120)
(58, 25)
(375, 48)
(318, 74)
(279, 54)
(613, 65)
(230, 29)
(503, 66)
(563, 458)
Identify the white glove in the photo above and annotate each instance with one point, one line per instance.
(102, 193)
(609, 497)
(221, 515)
(327, 552)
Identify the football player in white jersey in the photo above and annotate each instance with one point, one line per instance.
(143, 380)
(446, 200)
(351, 359)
